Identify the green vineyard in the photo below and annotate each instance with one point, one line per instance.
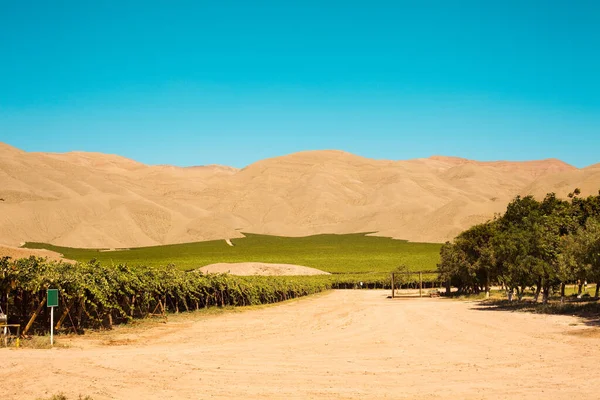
(93, 295)
(338, 254)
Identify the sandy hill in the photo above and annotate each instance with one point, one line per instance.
(18, 252)
(97, 200)
(260, 268)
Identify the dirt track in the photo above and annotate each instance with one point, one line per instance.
(342, 345)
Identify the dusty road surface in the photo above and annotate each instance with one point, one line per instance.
(340, 345)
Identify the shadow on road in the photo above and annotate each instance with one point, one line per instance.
(587, 310)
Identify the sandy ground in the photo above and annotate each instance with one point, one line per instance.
(340, 345)
(265, 269)
(17, 252)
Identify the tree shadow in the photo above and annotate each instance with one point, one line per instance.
(587, 310)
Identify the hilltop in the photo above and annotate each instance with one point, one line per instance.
(97, 200)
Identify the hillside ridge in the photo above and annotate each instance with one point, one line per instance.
(81, 199)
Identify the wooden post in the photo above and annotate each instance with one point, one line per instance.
(392, 285)
(79, 314)
(64, 314)
(132, 306)
(34, 316)
(420, 284)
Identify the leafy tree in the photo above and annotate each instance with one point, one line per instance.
(584, 208)
(514, 266)
(479, 253)
(529, 246)
(582, 253)
(452, 266)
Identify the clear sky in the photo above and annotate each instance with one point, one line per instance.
(232, 82)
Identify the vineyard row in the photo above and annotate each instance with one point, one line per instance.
(92, 295)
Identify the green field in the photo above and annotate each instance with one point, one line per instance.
(351, 253)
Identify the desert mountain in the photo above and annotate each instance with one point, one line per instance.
(106, 201)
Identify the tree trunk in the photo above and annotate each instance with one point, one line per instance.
(449, 289)
(4, 298)
(487, 284)
(597, 289)
(538, 288)
(562, 292)
(546, 294)
(579, 289)
(510, 294)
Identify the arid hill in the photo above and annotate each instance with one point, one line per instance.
(106, 201)
(18, 252)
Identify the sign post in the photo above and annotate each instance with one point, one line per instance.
(52, 301)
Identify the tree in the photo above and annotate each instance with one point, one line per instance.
(542, 244)
(451, 267)
(479, 257)
(538, 227)
(584, 208)
(582, 253)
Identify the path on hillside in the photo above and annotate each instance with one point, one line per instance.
(341, 345)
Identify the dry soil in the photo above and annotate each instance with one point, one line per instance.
(341, 345)
(259, 268)
(18, 252)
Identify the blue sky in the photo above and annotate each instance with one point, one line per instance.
(232, 82)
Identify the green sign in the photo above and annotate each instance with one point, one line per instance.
(52, 300)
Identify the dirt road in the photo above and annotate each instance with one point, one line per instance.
(341, 345)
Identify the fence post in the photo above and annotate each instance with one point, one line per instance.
(34, 316)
